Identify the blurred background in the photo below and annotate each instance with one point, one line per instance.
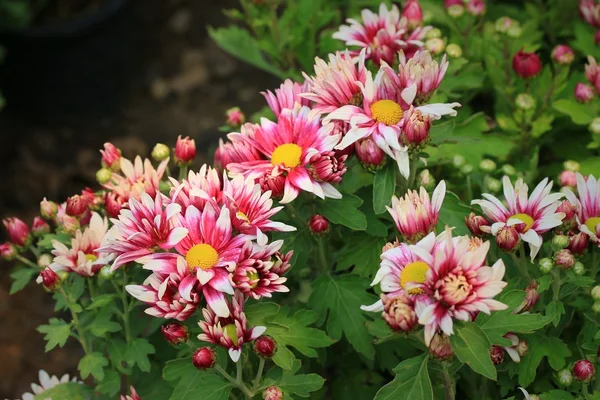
(75, 74)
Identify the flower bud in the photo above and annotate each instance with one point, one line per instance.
(273, 183)
(569, 210)
(18, 231)
(63, 274)
(525, 101)
(272, 393)
(235, 117)
(476, 7)
(568, 179)
(440, 347)
(531, 297)
(493, 184)
(563, 54)
(526, 65)
(509, 170)
(328, 167)
(265, 346)
(426, 180)
(487, 165)
(103, 175)
(596, 307)
(534, 397)
(49, 279)
(458, 161)
(413, 13)
(8, 251)
(76, 205)
(584, 93)
(564, 377)
(595, 126)
(48, 209)
(433, 34)
(455, 10)
(453, 50)
(318, 224)
(204, 358)
(475, 223)
(416, 127)
(39, 226)
(515, 31)
(596, 293)
(185, 150)
(579, 269)
(466, 169)
(559, 242)
(583, 371)
(522, 348)
(175, 333)
(160, 152)
(111, 156)
(435, 45)
(106, 273)
(371, 157)
(399, 313)
(564, 259)
(497, 355)
(68, 224)
(113, 204)
(44, 260)
(546, 265)
(571, 165)
(504, 23)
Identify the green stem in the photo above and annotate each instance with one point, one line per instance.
(414, 163)
(555, 284)
(35, 251)
(183, 171)
(448, 384)
(261, 366)
(469, 188)
(225, 374)
(125, 301)
(323, 264)
(594, 263)
(27, 262)
(75, 322)
(91, 289)
(239, 380)
(293, 214)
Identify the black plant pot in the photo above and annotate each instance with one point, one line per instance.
(71, 68)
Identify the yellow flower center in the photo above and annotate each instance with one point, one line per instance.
(524, 218)
(287, 154)
(253, 278)
(231, 332)
(242, 216)
(387, 112)
(415, 273)
(91, 257)
(202, 255)
(592, 222)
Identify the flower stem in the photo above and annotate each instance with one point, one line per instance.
(75, 322)
(27, 262)
(322, 255)
(261, 366)
(448, 384)
(125, 301)
(414, 163)
(239, 380)
(183, 170)
(91, 289)
(555, 284)
(293, 214)
(594, 263)
(225, 374)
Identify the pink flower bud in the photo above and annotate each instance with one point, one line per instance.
(399, 313)
(273, 183)
(568, 178)
(235, 117)
(569, 210)
(476, 7)
(18, 231)
(272, 393)
(563, 54)
(49, 279)
(592, 72)
(564, 259)
(39, 226)
(185, 150)
(48, 209)
(584, 93)
(327, 167)
(475, 223)
(76, 205)
(413, 13)
(531, 297)
(113, 205)
(132, 395)
(175, 333)
(526, 65)
(68, 224)
(497, 355)
(416, 127)
(369, 154)
(204, 358)
(8, 251)
(111, 156)
(265, 346)
(578, 242)
(440, 347)
(318, 224)
(583, 371)
(507, 238)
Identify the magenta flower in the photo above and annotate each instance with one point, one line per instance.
(286, 97)
(18, 231)
(587, 203)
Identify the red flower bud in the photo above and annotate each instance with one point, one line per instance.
(49, 279)
(8, 251)
(584, 93)
(275, 184)
(475, 223)
(578, 242)
(507, 238)
(76, 205)
(204, 358)
(265, 346)
(111, 156)
(39, 226)
(497, 355)
(48, 209)
(272, 393)
(476, 7)
(132, 395)
(413, 13)
(563, 54)
(564, 259)
(567, 178)
(583, 371)
(18, 231)
(416, 127)
(399, 313)
(235, 117)
(318, 224)
(531, 298)
(526, 65)
(369, 154)
(113, 205)
(328, 167)
(175, 333)
(185, 150)
(440, 347)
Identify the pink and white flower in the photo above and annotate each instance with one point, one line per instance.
(531, 216)
(148, 225)
(592, 72)
(587, 202)
(238, 148)
(287, 148)
(18, 231)
(231, 332)
(47, 382)
(136, 178)
(197, 189)
(84, 257)
(286, 97)
(590, 12)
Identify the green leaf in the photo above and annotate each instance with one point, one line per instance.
(102, 324)
(138, 351)
(344, 211)
(442, 133)
(411, 382)
(21, 277)
(542, 125)
(92, 363)
(341, 297)
(554, 311)
(581, 114)
(175, 369)
(472, 347)
(46, 241)
(101, 301)
(192, 384)
(301, 385)
(238, 42)
(384, 185)
(453, 214)
(362, 253)
(111, 383)
(542, 346)
(560, 395)
(57, 332)
(67, 391)
(590, 165)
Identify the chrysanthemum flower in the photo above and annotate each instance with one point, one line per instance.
(198, 188)
(47, 382)
(287, 148)
(232, 332)
(415, 215)
(238, 148)
(171, 291)
(286, 97)
(590, 12)
(457, 281)
(136, 178)
(531, 217)
(84, 257)
(587, 202)
(260, 272)
(144, 228)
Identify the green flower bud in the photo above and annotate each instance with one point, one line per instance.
(559, 242)
(458, 161)
(509, 170)
(433, 33)
(106, 273)
(455, 11)
(160, 152)
(435, 45)
(453, 50)
(579, 269)
(571, 165)
(103, 175)
(487, 165)
(596, 292)
(466, 169)
(596, 307)
(546, 265)
(525, 102)
(564, 377)
(426, 180)
(503, 23)
(595, 126)
(514, 31)
(493, 184)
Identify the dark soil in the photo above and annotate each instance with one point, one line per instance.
(182, 86)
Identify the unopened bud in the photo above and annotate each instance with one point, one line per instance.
(455, 10)
(596, 307)
(8, 251)
(235, 117)
(175, 333)
(595, 126)
(525, 101)
(497, 355)
(509, 170)
(458, 161)
(564, 377)
(487, 165)
(494, 185)
(49, 279)
(204, 358)
(426, 180)
(522, 348)
(76, 205)
(39, 227)
(571, 165)
(185, 150)
(103, 175)
(475, 223)
(584, 93)
(399, 313)
(466, 169)
(514, 31)
(272, 393)
(265, 346)
(579, 269)
(453, 50)
(503, 23)
(440, 347)
(559, 242)
(567, 178)
(433, 34)
(595, 292)
(318, 224)
(106, 273)
(583, 371)
(563, 54)
(435, 45)
(48, 209)
(546, 265)
(44, 260)
(18, 231)
(160, 152)
(564, 259)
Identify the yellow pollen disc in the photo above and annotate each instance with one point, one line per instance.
(526, 219)
(231, 332)
(287, 154)
(592, 222)
(387, 112)
(414, 273)
(253, 276)
(242, 216)
(91, 257)
(202, 255)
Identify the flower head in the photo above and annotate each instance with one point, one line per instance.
(18, 231)
(399, 312)
(587, 203)
(47, 382)
(590, 12)
(592, 73)
(185, 150)
(288, 96)
(198, 188)
(420, 70)
(111, 156)
(238, 149)
(136, 178)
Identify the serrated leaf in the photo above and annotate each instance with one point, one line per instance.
(301, 385)
(384, 185)
(542, 125)
(101, 301)
(46, 241)
(545, 346)
(411, 382)
(581, 114)
(472, 346)
(138, 351)
(341, 297)
(442, 133)
(453, 214)
(193, 384)
(344, 211)
(111, 384)
(363, 253)
(102, 324)
(57, 332)
(92, 364)
(554, 311)
(21, 277)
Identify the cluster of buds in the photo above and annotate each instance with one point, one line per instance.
(509, 27)
(457, 8)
